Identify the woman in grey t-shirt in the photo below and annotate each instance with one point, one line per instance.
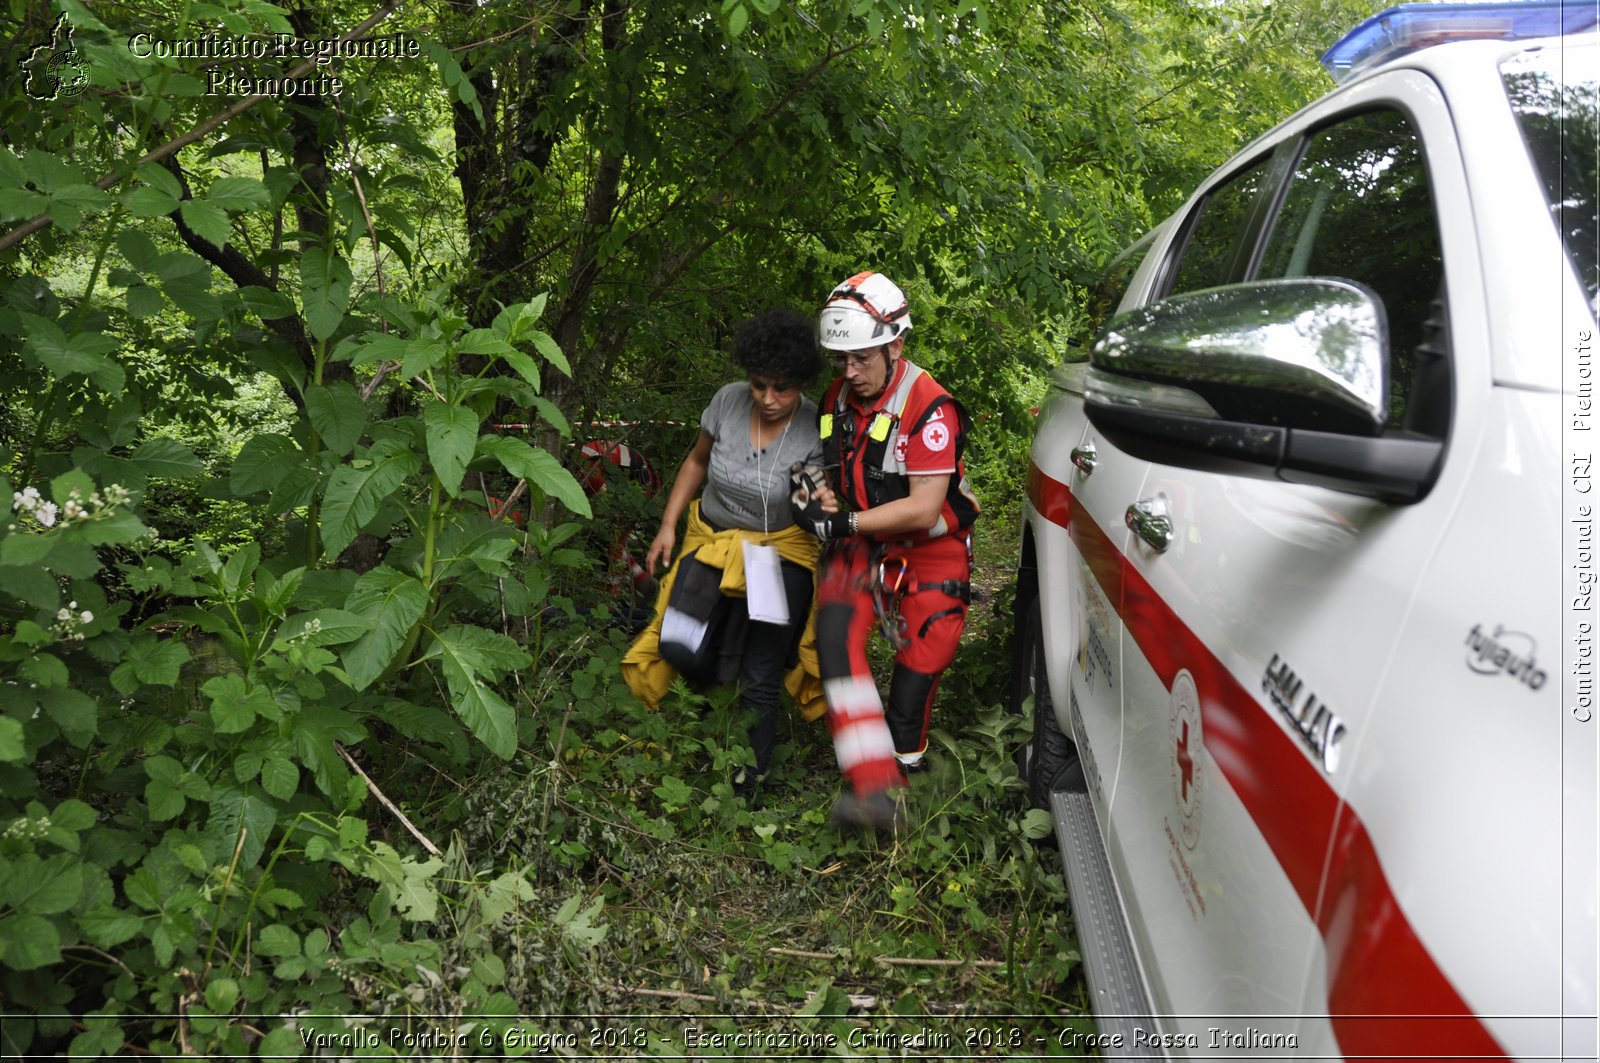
(750, 435)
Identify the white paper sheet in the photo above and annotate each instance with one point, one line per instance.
(682, 629)
(763, 580)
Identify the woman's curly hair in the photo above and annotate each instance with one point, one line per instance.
(781, 345)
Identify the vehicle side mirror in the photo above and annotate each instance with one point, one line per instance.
(1285, 379)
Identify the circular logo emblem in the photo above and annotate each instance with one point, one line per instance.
(935, 435)
(70, 76)
(1188, 761)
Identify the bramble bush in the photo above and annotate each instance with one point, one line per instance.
(186, 844)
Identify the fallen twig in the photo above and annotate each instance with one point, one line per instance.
(888, 961)
(907, 961)
(372, 787)
(802, 954)
(857, 1000)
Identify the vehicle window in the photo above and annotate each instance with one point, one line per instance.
(1557, 104)
(1109, 292)
(1359, 207)
(1215, 233)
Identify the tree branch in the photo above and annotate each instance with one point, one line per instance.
(236, 266)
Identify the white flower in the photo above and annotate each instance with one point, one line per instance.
(64, 614)
(88, 617)
(46, 514)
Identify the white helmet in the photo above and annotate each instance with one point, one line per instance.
(867, 310)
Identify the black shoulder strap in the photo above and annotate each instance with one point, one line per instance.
(963, 422)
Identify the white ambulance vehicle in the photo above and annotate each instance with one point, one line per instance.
(1307, 604)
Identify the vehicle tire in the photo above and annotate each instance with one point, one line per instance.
(1050, 753)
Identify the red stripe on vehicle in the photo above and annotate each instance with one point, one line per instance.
(1387, 997)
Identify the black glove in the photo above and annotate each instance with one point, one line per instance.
(807, 510)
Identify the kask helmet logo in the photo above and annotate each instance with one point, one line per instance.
(867, 310)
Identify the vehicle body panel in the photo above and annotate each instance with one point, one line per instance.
(1412, 856)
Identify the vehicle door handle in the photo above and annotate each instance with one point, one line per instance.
(1084, 458)
(1151, 520)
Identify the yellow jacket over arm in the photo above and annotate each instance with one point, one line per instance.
(648, 676)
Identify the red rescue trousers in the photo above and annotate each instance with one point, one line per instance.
(933, 611)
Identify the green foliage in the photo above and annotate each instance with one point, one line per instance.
(185, 842)
(758, 910)
(205, 749)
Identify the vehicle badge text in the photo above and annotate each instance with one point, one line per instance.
(1511, 653)
(1319, 727)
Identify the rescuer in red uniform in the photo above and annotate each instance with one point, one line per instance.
(896, 512)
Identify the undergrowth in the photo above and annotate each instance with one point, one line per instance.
(704, 913)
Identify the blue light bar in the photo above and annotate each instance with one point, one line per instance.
(1413, 27)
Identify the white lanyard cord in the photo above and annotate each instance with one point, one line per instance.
(766, 484)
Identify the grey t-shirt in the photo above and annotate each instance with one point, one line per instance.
(739, 476)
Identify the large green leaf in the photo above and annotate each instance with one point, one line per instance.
(139, 250)
(12, 748)
(28, 942)
(263, 462)
(452, 435)
(168, 459)
(112, 527)
(525, 366)
(33, 585)
(69, 203)
(279, 777)
(316, 729)
(321, 627)
(324, 290)
(233, 810)
(421, 356)
(548, 347)
(148, 202)
(539, 468)
(552, 413)
(372, 347)
(209, 221)
(296, 489)
(27, 548)
(73, 711)
(478, 651)
(168, 791)
(235, 703)
(149, 660)
(120, 424)
(466, 654)
(238, 193)
(390, 602)
(109, 927)
(337, 413)
(354, 494)
(80, 354)
(187, 281)
(484, 341)
(46, 886)
(491, 720)
(20, 203)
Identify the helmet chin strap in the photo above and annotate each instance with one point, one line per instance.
(889, 361)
